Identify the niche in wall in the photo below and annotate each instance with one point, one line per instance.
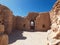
(43, 26)
(32, 24)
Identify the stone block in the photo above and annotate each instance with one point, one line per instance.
(2, 28)
(4, 39)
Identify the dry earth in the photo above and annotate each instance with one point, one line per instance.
(27, 38)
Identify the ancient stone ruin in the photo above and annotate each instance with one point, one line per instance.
(41, 21)
(6, 18)
(54, 32)
(32, 22)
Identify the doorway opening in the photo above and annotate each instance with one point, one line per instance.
(32, 24)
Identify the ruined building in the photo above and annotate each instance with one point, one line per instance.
(32, 22)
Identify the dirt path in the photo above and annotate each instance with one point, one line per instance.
(28, 38)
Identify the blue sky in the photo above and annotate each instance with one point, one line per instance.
(23, 7)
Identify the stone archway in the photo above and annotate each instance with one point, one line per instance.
(32, 24)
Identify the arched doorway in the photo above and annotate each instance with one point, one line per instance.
(32, 24)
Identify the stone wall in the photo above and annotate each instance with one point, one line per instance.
(4, 39)
(6, 18)
(19, 23)
(2, 28)
(54, 33)
(42, 22)
(14, 23)
(3, 36)
(39, 20)
(31, 16)
(26, 24)
(55, 14)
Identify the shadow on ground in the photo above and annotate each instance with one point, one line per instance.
(16, 35)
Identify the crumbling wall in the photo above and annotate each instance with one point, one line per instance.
(26, 24)
(14, 23)
(32, 15)
(4, 39)
(3, 36)
(19, 23)
(42, 22)
(27, 21)
(7, 18)
(8, 21)
(54, 33)
(55, 15)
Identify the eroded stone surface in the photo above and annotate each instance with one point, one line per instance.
(54, 33)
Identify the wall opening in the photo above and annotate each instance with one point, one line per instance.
(43, 26)
(32, 24)
(0, 21)
(24, 25)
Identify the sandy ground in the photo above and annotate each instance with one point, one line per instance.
(28, 38)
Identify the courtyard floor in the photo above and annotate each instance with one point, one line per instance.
(28, 38)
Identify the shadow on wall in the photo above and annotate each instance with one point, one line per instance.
(16, 35)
